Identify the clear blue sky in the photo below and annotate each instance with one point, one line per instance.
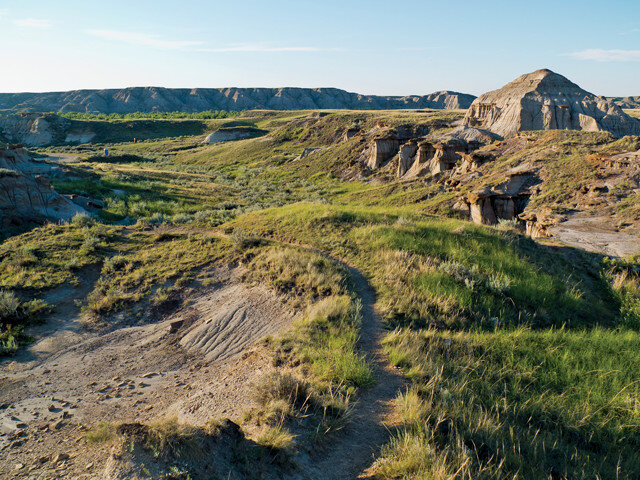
(380, 47)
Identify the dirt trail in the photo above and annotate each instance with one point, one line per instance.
(63, 157)
(353, 451)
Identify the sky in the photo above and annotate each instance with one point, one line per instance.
(399, 47)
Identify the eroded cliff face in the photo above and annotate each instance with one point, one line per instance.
(26, 197)
(38, 130)
(155, 99)
(415, 156)
(32, 130)
(544, 100)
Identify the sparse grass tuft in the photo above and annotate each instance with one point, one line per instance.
(169, 437)
(276, 438)
(101, 433)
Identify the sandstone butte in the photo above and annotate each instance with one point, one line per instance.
(544, 100)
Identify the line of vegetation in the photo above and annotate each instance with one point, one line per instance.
(202, 115)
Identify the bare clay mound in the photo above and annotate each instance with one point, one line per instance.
(197, 364)
(596, 234)
(231, 319)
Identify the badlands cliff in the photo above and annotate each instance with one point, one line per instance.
(156, 99)
(26, 197)
(544, 100)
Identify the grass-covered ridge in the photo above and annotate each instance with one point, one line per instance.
(327, 337)
(443, 271)
(523, 357)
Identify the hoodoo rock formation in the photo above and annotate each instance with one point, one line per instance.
(413, 155)
(507, 201)
(544, 100)
(434, 157)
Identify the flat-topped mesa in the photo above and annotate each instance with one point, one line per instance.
(544, 100)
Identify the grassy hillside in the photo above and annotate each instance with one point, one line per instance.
(522, 357)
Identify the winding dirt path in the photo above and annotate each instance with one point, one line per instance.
(353, 451)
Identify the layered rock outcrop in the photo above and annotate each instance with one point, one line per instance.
(381, 150)
(544, 100)
(507, 201)
(33, 130)
(27, 198)
(626, 102)
(37, 130)
(155, 99)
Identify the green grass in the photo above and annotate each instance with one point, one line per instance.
(522, 357)
(540, 380)
(450, 272)
(517, 404)
(165, 259)
(53, 254)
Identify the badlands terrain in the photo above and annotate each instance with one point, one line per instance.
(311, 284)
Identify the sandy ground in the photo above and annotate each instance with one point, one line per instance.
(596, 234)
(199, 363)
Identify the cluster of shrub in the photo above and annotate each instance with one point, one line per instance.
(15, 315)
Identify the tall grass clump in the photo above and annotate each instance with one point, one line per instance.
(624, 278)
(299, 272)
(330, 335)
(516, 404)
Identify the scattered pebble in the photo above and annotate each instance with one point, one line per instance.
(59, 457)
